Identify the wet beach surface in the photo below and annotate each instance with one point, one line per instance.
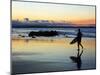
(50, 55)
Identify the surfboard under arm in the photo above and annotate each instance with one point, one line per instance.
(73, 41)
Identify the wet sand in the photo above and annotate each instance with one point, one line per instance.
(50, 55)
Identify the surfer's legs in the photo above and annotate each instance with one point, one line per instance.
(81, 45)
(78, 46)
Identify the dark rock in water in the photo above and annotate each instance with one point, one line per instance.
(42, 33)
(21, 35)
(33, 36)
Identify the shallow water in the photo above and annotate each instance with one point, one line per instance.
(70, 32)
(50, 54)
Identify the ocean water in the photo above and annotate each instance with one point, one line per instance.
(50, 54)
(69, 32)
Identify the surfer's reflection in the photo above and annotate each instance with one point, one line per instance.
(77, 59)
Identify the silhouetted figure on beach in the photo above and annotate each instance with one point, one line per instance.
(79, 38)
(77, 59)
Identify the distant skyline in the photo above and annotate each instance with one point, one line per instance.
(57, 12)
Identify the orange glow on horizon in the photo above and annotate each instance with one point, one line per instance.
(89, 21)
(73, 14)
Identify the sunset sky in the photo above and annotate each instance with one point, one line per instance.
(44, 11)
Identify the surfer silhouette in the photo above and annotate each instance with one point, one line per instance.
(78, 40)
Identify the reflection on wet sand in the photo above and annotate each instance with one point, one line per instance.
(31, 43)
(77, 59)
(51, 55)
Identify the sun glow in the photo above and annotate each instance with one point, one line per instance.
(41, 11)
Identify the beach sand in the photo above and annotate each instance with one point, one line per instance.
(50, 55)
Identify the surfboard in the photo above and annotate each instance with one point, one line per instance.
(73, 41)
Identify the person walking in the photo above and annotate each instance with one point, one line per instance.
(78, 40)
